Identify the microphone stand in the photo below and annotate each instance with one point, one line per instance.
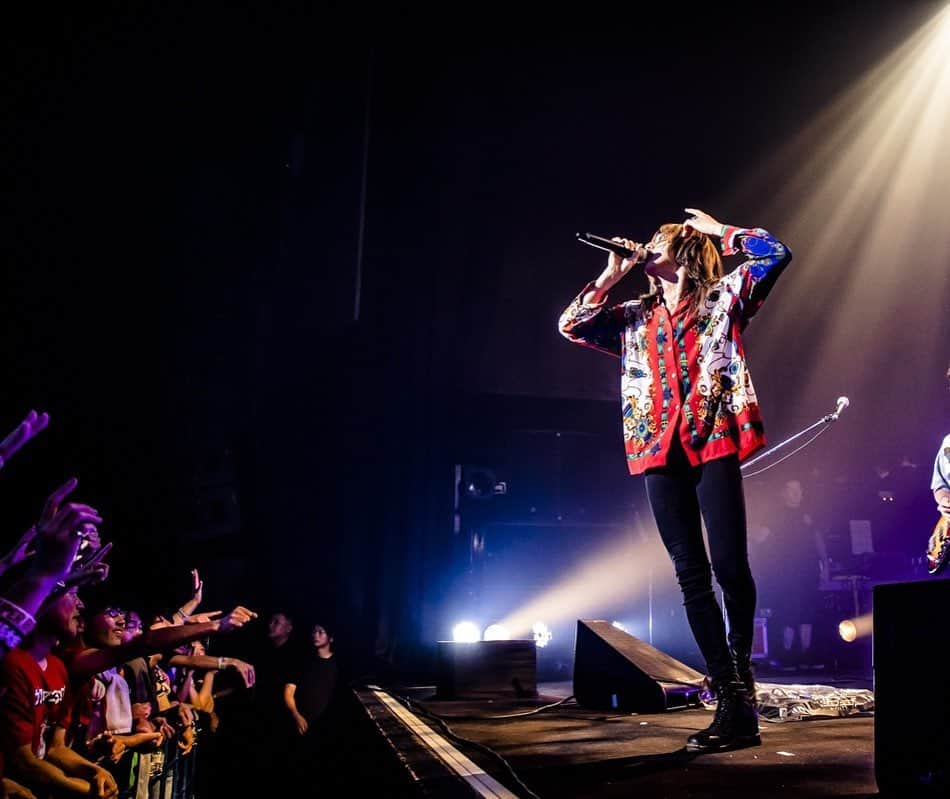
(826, 419)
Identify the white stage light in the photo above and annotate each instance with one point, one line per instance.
(465, 632)
(542, 633)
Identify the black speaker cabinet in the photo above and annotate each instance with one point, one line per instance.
(486, 668)
(613, 670)
(911, 688)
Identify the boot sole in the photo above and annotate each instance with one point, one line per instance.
(738, 743)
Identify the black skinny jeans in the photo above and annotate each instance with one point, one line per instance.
(678, 493)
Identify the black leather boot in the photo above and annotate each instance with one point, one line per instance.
(745, 670)
(735, 725)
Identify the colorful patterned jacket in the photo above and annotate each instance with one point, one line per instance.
(684, 373)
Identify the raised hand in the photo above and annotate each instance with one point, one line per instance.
(235, 619)
(201, 618)
(23, 432)
(58, 532)
(20, 552)
(89, 575)
(196, 587)
(703, 222)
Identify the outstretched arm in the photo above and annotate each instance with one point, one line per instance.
(92, 661)
(245, 669)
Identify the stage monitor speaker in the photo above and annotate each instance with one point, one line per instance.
(614, 670)
(911, 689)
(484, 669)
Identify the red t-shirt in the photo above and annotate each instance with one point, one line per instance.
(32, 702)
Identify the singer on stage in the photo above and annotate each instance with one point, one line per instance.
(690, 416)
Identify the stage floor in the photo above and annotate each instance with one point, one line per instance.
(550, 747)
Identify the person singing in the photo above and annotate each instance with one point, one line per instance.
(690, 416)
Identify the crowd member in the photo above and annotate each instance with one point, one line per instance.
(55, 541)
(155, 708)
(103, 722)
(35, 709)
(313, 697)
(122, 707)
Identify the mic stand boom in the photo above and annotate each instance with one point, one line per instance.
(826, 419)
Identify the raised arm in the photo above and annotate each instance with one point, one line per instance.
(766, 258)
(183, 614)
(57, 539)
(587, 320)
(92, 661)
(209, 662)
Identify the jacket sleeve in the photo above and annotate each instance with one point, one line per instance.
(766, 259)
(593, 325)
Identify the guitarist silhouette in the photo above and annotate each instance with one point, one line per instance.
(938, 547)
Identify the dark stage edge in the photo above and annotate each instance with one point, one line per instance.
(570, 751)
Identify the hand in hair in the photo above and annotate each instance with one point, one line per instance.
(703, 222)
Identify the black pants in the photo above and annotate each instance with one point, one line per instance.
(678, 494)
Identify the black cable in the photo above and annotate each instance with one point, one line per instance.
(563, 701)
(412, 705)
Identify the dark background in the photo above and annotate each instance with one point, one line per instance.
(261, 370)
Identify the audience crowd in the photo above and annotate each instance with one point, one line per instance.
(98, 699)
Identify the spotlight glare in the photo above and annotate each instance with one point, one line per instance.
(496, 632)
(542, 633)
(619, 626)
(858, 627)
(465, 632)
(847, 630)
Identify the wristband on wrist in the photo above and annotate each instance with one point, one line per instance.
(10, 637)
(14, 616)
(221, 664)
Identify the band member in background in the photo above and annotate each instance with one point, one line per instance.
(940, 483)
(690, 416)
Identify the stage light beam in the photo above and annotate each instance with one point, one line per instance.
(851, 630)
(496, 632)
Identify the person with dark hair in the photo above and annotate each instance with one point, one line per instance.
(690, 416)
(274, 662)
(275, 657)
(36, 710)
(313, 697)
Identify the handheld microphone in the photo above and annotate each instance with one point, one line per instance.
(611, 246)
(843, 402)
